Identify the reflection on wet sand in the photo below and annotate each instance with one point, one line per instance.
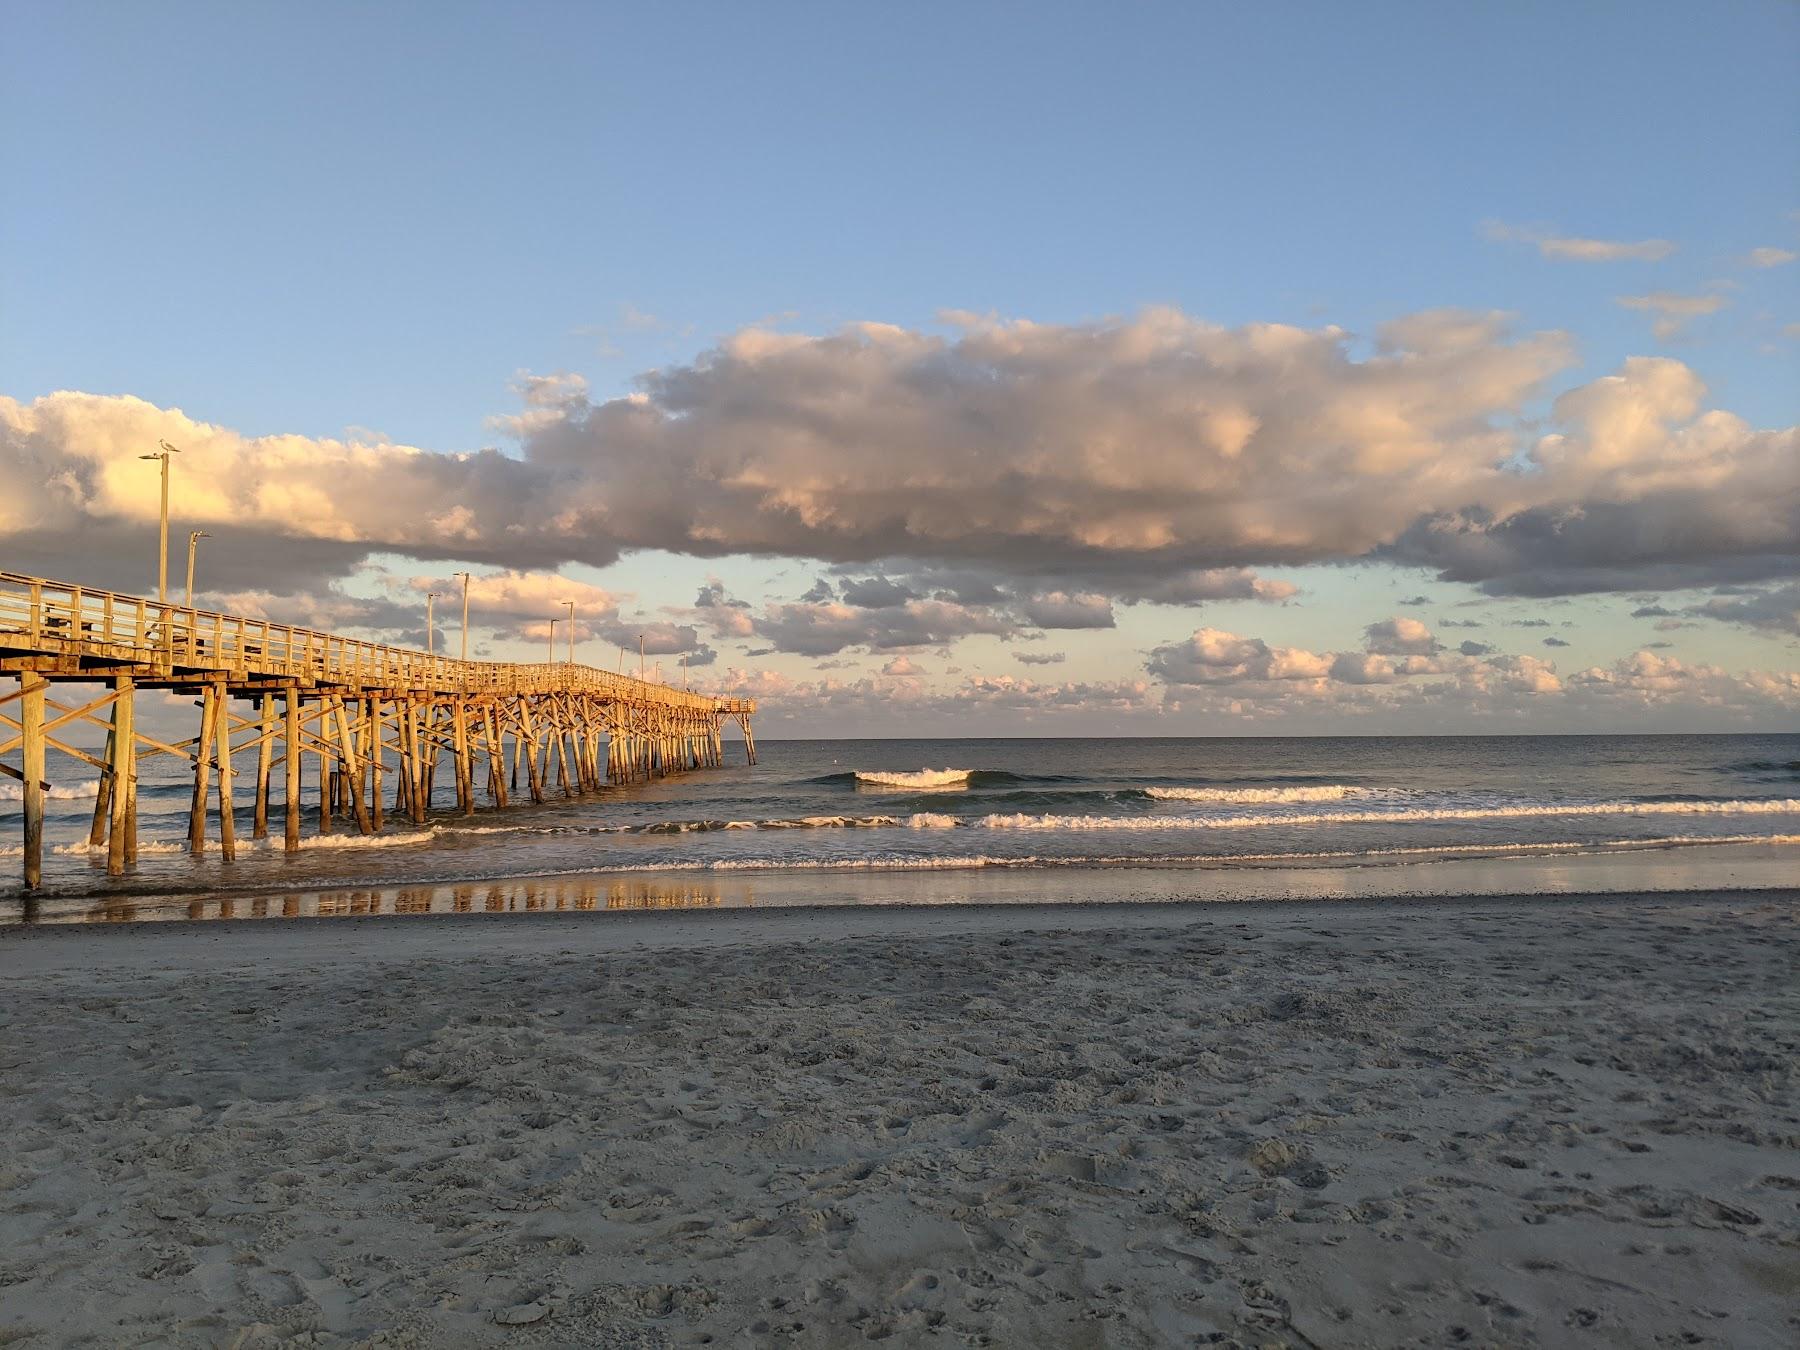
(531, 895)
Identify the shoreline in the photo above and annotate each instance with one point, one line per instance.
(1676, 869)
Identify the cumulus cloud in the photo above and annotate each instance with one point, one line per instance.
(1249, 678)
(1673, 311)
(911, 705)
(877, 593)
(1400, 637)
(1156, 459)
(1058, 609)
(1213, 656)
(1775, 610)
(1642, 489)
(1570, 248)
(903, 667)
(514, 603)
(1646, 678)
(823, 629)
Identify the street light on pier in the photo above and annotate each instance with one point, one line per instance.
(430, 640)
(194, 538)
(571, 605)
(553, 624)
(162, 551)
(465, 627)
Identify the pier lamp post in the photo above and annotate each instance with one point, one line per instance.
(640, 656)
(465, 627)
(194, 538)
(571, 605)
(162, 551)
(553, 624)
(430, 632)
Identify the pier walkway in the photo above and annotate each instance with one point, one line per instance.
(366, 713)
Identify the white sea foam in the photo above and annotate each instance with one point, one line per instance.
(921, 778)
(1333, 792)
(1752, 807)
(931, 820)
(366, 840)
(829, 823)
(59, 792)
(81, 846)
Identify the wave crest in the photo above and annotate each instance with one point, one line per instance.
(1330, 792)
(1752, 807)
(917, 778)
(59, 792)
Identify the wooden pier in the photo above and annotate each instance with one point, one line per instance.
(378, 722)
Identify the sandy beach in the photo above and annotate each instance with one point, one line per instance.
(1503, 1122)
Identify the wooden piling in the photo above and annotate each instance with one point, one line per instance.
(265, 761)
(374, 743)
(121, 770)
(327, 763)
(352, 772)
(227, 825)
(209, 712)
(291, 765)
(31, 727)
(104, 788)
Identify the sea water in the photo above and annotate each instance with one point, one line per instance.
(849, 821)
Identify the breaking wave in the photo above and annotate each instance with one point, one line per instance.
(1753, 807)
(59, 792)
(364, 840)
(81, 846)
(918, 778)
(1329, 792)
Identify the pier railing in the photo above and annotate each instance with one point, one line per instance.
(165, 641)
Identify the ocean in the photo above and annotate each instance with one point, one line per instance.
(946, 821)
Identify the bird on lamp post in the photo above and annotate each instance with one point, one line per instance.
(162, 551)
(194, 538)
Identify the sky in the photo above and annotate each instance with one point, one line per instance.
(973, 369)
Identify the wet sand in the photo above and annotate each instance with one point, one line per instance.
(1503, 1121)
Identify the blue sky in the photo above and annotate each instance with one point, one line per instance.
(308, 220)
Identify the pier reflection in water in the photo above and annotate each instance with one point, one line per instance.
(526, 895)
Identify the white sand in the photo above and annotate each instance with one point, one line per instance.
(1507, 1122)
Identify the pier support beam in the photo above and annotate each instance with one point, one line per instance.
(290, 763)
(209, 715)
(121, 840)
(31, 727)
(227, 821)
(265, 759)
